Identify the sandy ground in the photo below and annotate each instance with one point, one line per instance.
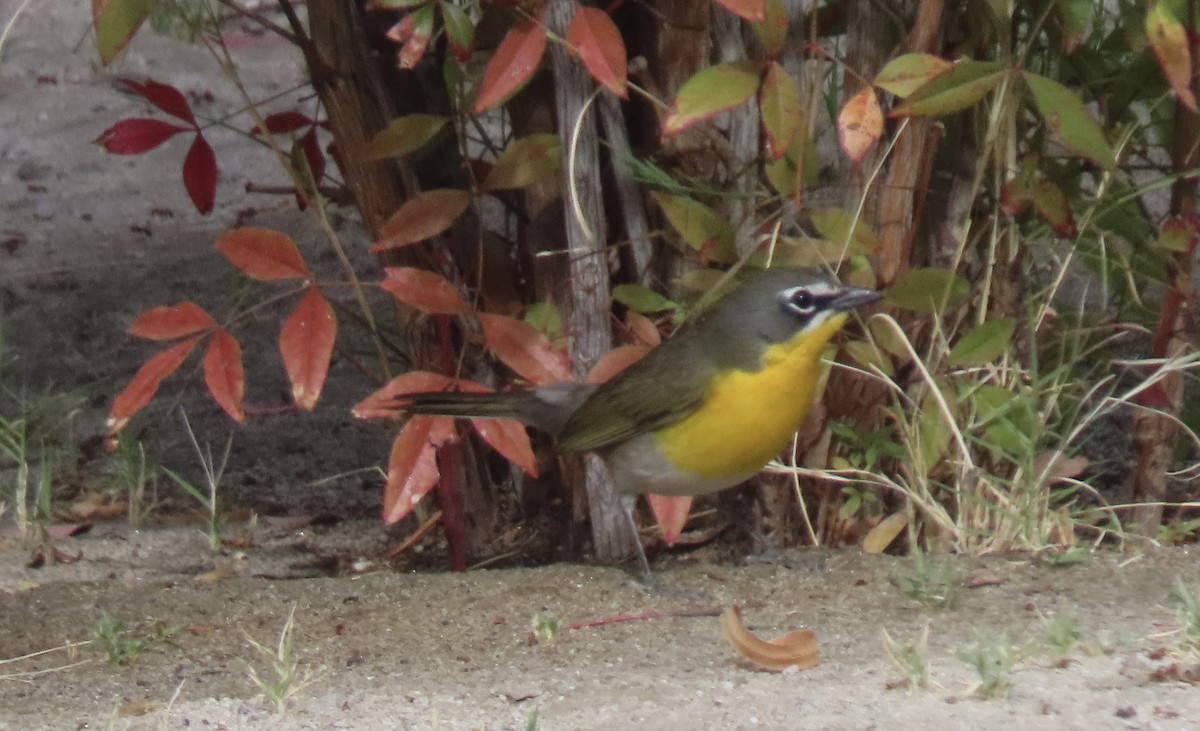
(89, 240)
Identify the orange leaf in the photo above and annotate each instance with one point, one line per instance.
(754, 11)
(601, 48)
(643, 328)
(615, 361)
(424, 215)
(509, 438)
(146, 381)
(168, 323)
(306, 343)
(860, 125)
(263, 254)
(427, 291)
(224, 375)
(1169, 41)
(378, 404)
(671, 513)
(521, 347)
(797, 648)
(512, 65)
(412, 466)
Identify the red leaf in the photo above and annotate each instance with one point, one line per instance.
(601, 48)
(311, 148)
(615, 361)
(284, 122)
(168, 323)
(146, 381)
(512, 65)
(525, 350)
(412, 466)
(135, 136)
(200, 174)
(427, 214)
(860, 124)
(306, 343)
(263, 254)
(164, 96)
(671, 513)
(418, 36)
(427, 291)
(224, 375)
(381, 404)
(509, 438)
(754, 11)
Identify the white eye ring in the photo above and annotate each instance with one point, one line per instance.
(800, 300)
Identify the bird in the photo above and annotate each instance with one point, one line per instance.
(705, 410)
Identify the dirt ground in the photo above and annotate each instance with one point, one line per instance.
(90, 240)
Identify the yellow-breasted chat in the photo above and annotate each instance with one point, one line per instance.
(703, 411)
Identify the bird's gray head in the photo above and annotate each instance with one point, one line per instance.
(775, 304)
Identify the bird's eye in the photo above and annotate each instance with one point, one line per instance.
(802, 301)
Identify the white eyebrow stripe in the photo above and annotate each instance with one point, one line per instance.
(817, 289)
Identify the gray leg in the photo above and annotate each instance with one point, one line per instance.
(628, 503)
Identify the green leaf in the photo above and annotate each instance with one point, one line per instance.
(1076, 19)
(643, 299)
(1067, 117)
(867, 354)
(904, 75)
(115, 24)
(711, 91)
(984, 344)
(460, 31)
(955, 90)
(700, 226)
(772, 31)
(782, 172)
(404, 135)
(835, 225)
(934, 433)
(1178, 234)
(1007, 419)
(779, 104)
(546, 318)
(927, 291)
(525, 162)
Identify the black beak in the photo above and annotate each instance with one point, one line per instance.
(853, 297)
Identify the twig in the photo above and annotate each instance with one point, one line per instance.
(651, 614)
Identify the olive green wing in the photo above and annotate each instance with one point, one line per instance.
(665, 386)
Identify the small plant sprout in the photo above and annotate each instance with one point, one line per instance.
(1187, 609)
(133, 476)
(1063, 633)
(934, 587)
(545, 629)
(120, 644)
(993, 661)
(910, 659)
(214, 513)
(284, 680)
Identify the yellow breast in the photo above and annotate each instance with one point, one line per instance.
(748, 417)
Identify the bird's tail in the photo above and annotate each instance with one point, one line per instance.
(513, 405)
(546, 408)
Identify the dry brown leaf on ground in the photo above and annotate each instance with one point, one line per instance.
(797, 648)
